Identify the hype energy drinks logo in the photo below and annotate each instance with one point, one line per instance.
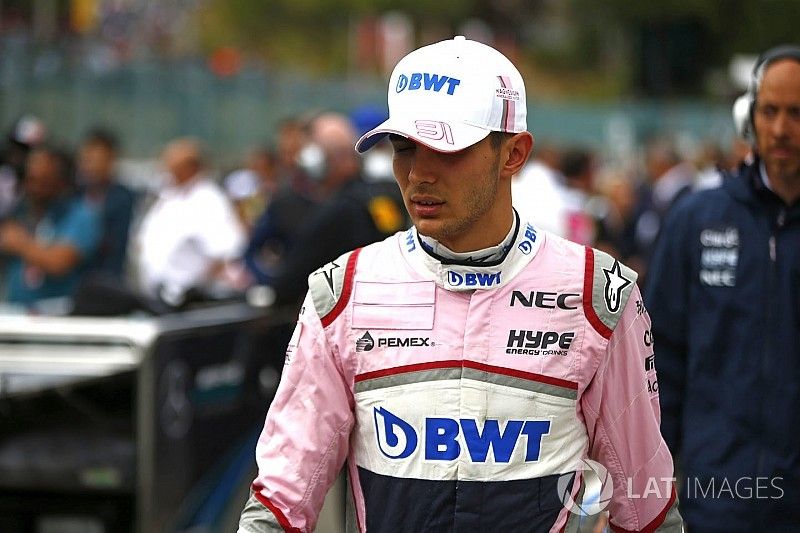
(598, 489)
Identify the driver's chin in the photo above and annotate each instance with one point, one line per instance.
(429, 227)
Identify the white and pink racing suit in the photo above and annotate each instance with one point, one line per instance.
(467, 398)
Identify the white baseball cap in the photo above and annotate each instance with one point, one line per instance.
(450, 95)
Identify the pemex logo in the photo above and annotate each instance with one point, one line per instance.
(598, 489)
(365, 343)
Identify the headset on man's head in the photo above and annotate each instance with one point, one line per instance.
(744, 106)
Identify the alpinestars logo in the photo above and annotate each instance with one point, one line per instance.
(615, 284)
(365, 343)
(328, 272)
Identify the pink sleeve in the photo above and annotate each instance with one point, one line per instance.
(304, 442)
(622, 418)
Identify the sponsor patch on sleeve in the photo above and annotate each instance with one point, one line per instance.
(611, 286)
(650, 364)
(331, 284)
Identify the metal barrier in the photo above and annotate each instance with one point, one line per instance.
(143, 425)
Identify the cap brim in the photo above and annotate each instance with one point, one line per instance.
(442, 136)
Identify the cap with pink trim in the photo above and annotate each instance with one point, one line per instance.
(450, 95)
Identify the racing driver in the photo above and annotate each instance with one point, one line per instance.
(468, 369)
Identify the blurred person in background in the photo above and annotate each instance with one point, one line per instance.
(25, 134)
(616, 229)
(252, 187)
(583, 207)
(740, 152)
(350, 212)
(724, 296)
(539, 192)
(377, 163)
(190, 235)
(667, 177)
(51, 236)
(292, 136)
(99, 187)
(403, 364)
(275, 230)
(710, 163)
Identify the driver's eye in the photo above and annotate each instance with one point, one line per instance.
(402, 145)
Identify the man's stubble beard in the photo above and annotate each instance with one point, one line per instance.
(787, 174)
(477, 205)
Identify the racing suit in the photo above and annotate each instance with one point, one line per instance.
(467, 397)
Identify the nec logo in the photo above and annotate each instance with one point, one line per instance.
(544, 300)
(473, 279)
(426, 81)
(395, 342)
(446, 438)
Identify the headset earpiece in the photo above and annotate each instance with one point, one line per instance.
(742, 120)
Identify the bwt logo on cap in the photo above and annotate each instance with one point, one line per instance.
(427, 82)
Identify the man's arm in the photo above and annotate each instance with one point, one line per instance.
(77, 240)
(304, 442)
(263, 231)
(222, 236)
(621, 409)
(54, 259)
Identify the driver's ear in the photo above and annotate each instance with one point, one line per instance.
(515, 153)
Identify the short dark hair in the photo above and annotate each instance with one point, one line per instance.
(497, 138)
(102, 136)
(575, 162)
(65, 166)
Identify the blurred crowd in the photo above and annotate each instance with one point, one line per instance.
(619, 209)
(76, 236)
